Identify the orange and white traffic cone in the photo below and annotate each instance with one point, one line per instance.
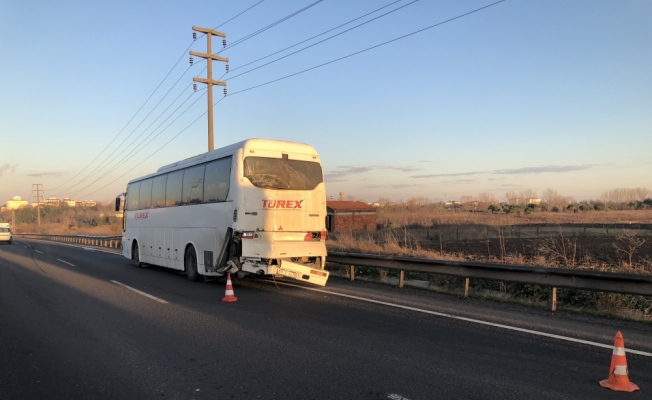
(229, 296)
(618, 373)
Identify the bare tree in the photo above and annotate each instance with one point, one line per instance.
(510, 195)
(486, 198)
(642, 193)
(559, 249)
(530, 194)
(553, 198)
(627, 243)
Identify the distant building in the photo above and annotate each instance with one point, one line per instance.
(51, 201)
(16, 202)
(69, 202)
(350, 216)
(533, 200)
(515, 201)
(90, 203)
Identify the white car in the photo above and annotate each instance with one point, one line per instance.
(5, 233)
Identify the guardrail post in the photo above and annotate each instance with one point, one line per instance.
(401, 278)
(352, 272)
(553, 300)
(466, 287)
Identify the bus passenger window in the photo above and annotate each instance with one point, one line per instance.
(193, 185)
(217, 180)
(132, 196)
(173, 189)
(158, 191)
(145, 194)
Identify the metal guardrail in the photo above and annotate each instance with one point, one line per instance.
(114, 242)
(553, 277)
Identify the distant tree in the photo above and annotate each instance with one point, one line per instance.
(486, 198)
(510, 195)
(494, 208)
(642, 193)
(529, 194)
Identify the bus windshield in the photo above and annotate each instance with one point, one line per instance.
(282, 173)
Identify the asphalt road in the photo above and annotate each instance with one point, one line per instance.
(67, 331)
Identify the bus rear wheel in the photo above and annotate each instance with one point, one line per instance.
(135, 254)
(191, 265)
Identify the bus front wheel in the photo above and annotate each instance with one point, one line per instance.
(191, 265)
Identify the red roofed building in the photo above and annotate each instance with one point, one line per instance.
(349, 216)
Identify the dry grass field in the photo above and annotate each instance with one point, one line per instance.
(426, 216)
(539, 239)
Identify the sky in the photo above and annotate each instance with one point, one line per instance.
(524, 94)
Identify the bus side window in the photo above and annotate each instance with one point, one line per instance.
(158, 191)
(173, 189)
(193, 185)
(217, 180)
(145, 194)
(132, 200)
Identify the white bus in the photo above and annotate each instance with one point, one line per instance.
(254, 207)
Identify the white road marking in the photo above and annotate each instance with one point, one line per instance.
(38, 251)
(24, 246)
(395, 396)
(65, 262)
(139, 292)
(88, 248)
(476, 321)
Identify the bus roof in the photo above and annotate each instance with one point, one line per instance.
(267, 144)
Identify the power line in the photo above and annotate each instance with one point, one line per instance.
(157, 150)
(273, 24)
(139, 149)
(185, 52)
(99, 166)
(224, 23)
(309, 69)
(324, 40)
(367, 49)
(323, 33)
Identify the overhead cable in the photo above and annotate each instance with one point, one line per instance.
(367, 49)
(184, 54)
(322, 41)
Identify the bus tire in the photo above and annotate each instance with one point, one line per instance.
(191, 265)
(135, 254)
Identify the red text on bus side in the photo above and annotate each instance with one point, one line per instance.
(267, 204)
(142, 215)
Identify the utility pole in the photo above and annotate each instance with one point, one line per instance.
(37, 190)
(209, 56)
(13, 220)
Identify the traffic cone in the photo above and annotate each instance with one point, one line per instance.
(229, 295)
(618, 373)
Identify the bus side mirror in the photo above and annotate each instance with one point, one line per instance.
(117, 204)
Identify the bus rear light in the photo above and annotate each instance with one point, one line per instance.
(324, 234)
(320, 273)
(308, 237)
(247, 235)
